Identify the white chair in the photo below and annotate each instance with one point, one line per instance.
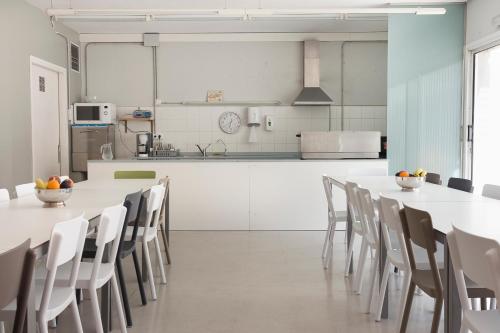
(359, 227)
(369, 219)
(491, 191)
(333, 217)
(149, 233)
(94, 275)
(397, 255)
(367, 172)
(66, 246)
(478, 258)
(4, 195)
(25, 189)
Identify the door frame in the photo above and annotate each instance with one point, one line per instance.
(63, 113)
(470, 51)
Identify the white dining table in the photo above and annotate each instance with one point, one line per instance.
(447, 207)
(27, 218)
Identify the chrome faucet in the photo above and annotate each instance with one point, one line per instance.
(224, 144)
(203, 151)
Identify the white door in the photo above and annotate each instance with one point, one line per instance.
(485, 135)
(45, 123)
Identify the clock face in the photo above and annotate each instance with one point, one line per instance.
(229, 122)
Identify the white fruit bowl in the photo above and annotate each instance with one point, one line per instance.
(410, 183)
(54, 198)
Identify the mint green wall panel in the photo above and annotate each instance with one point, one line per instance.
(424, 107)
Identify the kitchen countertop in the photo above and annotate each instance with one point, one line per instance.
(232, 157)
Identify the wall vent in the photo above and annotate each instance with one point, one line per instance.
(75, 57)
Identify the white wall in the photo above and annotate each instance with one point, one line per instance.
(246, 71)
(480, 14)
(24, 31)
(185, 126)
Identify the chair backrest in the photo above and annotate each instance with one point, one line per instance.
(367, 172)
(66, 244)
(110, 229)
(433, 178)
(491, 191)
(17, 271)
(461, 184)
(468, 254)
(155, 199)
(390, 220)
(418, 230)
(4, 195)
(328, 187)
(133, 204)
(135, 174)
(353, 205)
(25, 189)
(368, 215)
(166, 183)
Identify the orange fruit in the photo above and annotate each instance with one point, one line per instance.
(53, 184)
(404, 174)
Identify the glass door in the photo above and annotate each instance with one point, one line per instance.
(484, 134)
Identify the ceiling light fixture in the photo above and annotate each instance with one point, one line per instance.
(149, 15)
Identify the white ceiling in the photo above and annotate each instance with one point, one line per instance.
(204, 26)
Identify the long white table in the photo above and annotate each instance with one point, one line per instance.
(26, 217)
(447, 207)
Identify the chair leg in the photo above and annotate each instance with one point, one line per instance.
(438, 306)
(123, 289)
(329, 250)
(151, 279)
(139, 278)
(360, 269)
(327, 235)
(165, 243)
(94, 300)
(160, 260)
(407, 308)
(383, 287)
(76, 316)
(349, 256)
(43, 327)
(373, 278)
(404, 295)
(118, 302)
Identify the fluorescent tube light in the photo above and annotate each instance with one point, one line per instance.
(233, 14)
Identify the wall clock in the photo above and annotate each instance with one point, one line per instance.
(229, 122)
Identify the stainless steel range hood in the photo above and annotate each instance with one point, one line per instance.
(312, 94)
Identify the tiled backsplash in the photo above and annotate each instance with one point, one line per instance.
(186, 126)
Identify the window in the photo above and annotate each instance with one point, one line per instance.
(75, 57)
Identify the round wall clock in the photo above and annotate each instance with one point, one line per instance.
(229, 122)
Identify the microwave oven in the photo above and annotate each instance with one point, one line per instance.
(94, 113)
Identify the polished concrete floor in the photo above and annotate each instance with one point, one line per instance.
(256, 282)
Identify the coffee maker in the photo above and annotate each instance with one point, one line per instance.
(144, 143)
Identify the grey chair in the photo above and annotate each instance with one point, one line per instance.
(17, 272)
(461, 184)
(433, 178)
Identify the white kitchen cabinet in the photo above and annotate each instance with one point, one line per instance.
(244, 195)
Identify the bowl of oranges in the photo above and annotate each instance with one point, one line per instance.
(54, 192)
(411, 181)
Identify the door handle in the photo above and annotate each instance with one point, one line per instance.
(470, 133)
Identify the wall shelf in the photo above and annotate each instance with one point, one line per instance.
(226, 103)
(126, 119)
